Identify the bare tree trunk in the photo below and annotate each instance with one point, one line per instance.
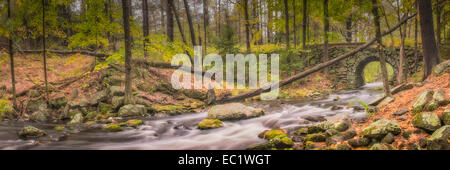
(305, 19)
(313, 69)
(295, 25)
(145, 27)
(44, 52)
(416, 36)
(387, 24)
(180, 27)
(430, 51)
(401, 73)
(375, 8)
(269, 21)
(325, 33)
(348, 26)
(189, 18)
(205, 24)
(286, 15)
(438, 24)
(163, 23)
(11, 57)
(247, 29)
(169, 24)
(126, 26)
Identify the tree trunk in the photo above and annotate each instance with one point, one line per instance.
(348, 26)
(325, 33)
(169, 17)
(269, 23)
(384, 73)
(180, 27)
(438, 24)
(416, 36)
(304, 22)
(145, 27)
(11, 57)
(286, 18)
(205, 24)
(126, 26)
(401, 77)
(430, 51)
(294, 26)
(247, 29)
(189, 18)
(44, 52)
(163, 23)
(388, 26)
(313, 69)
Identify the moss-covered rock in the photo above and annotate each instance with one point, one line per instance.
(91, 115)
(275, 133)
(382, 127)
(301, 131)
(116, 91)
(58, 102)
(39, 116)
(320, 127)
(233, 111)
(132, 123)
(210, 124)
(439, 97)
(77, 119)
(342, 125)
(117, 102)
(31, 132)
(421, 101)
(389, 138)
(427, 121)
(170, 109)
(98, 97)
(112, 128)
(316, 137)
(442, 68)
(446, 117)
(432, 105)
(105, 108)
(309, 145)
(358, 142)
(381, 146)
(439, 140)
(59, 128)
(132, 110)
(275, 143)
(343, 147)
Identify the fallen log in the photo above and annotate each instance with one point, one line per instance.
(311, 70)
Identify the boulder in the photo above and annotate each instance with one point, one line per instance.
(421, 101)
(431, 106)
(41, 114)
(33, 105)
(31, 132)
(342, 125)
(233, 111)
(34, 93)
(343, 147)
(389, 138)
(132, 123)
(442, 68)
(358, 142)
(112, 128)
(132, 110)
(427, 121)
(210, 124)
(400, 112)
(439, 139)
(381, 146)
(381, 128)
(77, 119)
(116, 91)
(446, 116)
(58, 102)
(439, 97)
(80, 103)
(320, 127)
(316, 137)
(98, 97)
(117, 102)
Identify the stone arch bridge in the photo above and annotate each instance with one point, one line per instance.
(349, 71)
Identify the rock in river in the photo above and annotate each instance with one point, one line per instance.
(233, 111)
(31, 132)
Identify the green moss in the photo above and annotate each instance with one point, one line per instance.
(5, 108)
(59, 128)
(106, 108)
(210, 124)
(132, 123)
(112, 128)
(317, 137)
(89, 122)
(91, 115)
(170, 109)
(301, 131)
(276, 133)
(309, 145)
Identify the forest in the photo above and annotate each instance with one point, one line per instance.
(99, 74)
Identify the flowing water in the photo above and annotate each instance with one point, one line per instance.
(180, 132)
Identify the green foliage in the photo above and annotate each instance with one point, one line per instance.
(372, 72)
(363, 104)
(226, 44)
(5, 107)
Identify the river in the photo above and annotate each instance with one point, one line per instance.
(180, 132)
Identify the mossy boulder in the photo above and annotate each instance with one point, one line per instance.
(77, 119)
(301, 131)
(342, 147)
(39, 116)
(98, 97)
(440, 98)
(58, 102)
(316, 137)
(270, 134)
(421, 101)
(132, 110)
(442, 68)
(170, 109)
(275, 143)
(112, 128)
(233, 111)
(210, 124)
(117, 102)
(381, 146)
(195, 94)
(320, 127)
(116, 91)
(381, 128)
(439, 140)
(427, 121)
(446, 117)
(431, 106)
(359, 142)
(389, 138)
(132, 123)
(59, 128)
(31, 132)
(342, 125)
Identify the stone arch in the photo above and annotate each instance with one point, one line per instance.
(358, 70)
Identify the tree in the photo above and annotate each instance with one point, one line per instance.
(169, 17)
(375, 8)
(286, 15)
(325, 32)
(247, 24)
(430, 51)
(189, 18)
(205, 23)
(44, 52)
(295, 25)
(11, 56)
(126, 27)
(438, 23)
(304, 22)
(145, 24)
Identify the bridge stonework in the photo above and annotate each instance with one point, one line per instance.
(349, 71)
